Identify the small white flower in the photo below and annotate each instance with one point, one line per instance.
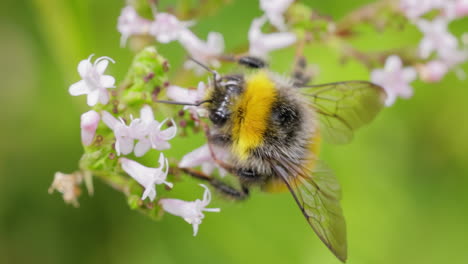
(149, 132)
(147, 177)
(436, 37)
(130, 24)
(394, 79)
(274, 10)
(94, 83)
(261, 44)
(122, 132)
(89, 123)
(166, 27)
(202, 157)
(180, 94)
(204, 52)
(191, 212)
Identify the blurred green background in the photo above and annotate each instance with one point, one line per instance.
(404, 177)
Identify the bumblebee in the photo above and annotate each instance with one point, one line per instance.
(272, 127)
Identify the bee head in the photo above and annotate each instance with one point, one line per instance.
(227, 90)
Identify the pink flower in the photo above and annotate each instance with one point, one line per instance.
(166, 27)
(94, 83)
(261, 44)
(274, 10)
(147, 177)
(89, 123)
(191, 212)
(394, 79)
(123, 133)
(130, 24)
(149, 132)
(436, 37)
(180, 94)
(202, 157)
(204, 52)
(461, 8)
(433, 71)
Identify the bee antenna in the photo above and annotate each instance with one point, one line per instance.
(215, 73)
(182, 103)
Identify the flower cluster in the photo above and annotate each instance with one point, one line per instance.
(438, 47)
(136, 135)
(166, 28)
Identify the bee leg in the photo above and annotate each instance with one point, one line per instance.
(302, 74)
(252, 62)
(222, 187)
(249, 176)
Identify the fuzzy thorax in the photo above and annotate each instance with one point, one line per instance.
(252, 112)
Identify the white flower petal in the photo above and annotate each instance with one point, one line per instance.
(103, 96)
(180, 94)
(196, 157)
(93, 98)
(107, 81)
(169, 133)
(150, 192)
(109, 120)
(393, 63)
(85, 66)
(78, 88)
(125, 145)
(101, 66)
(146, 114)
(142, 147)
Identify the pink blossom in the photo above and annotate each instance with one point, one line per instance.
(147, 177)
(204, 52)
(261, 44)
(123, 133)
(89, 123)
(274, 10)
(166, 27)
(433, 71)
(394, 79)
(436, 37)
(131, 24)
(461, 8)
(191, 212)
(202, 157)
(94, 83)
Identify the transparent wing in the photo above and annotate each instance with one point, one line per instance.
(318, 194)
(344, 107)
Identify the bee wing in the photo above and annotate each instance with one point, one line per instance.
(318, 195)
(344, 107)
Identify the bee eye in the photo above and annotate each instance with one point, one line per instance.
(218, 117)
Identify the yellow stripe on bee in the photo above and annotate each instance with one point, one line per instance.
(252, 112)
